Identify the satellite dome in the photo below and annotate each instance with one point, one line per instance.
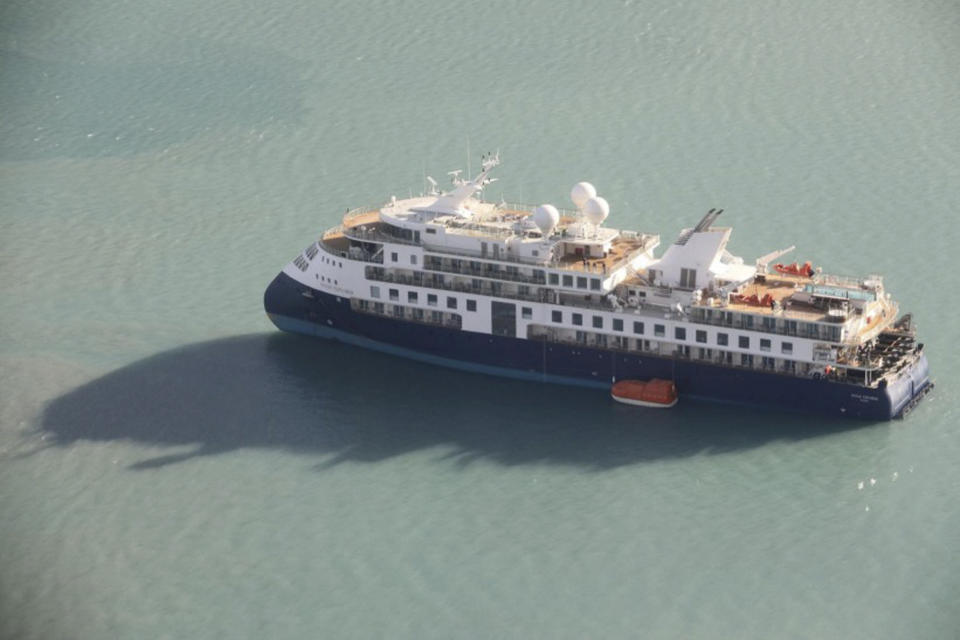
(581, 192)
(596, 210)
(546, 218)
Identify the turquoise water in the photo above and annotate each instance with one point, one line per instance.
(172, 467)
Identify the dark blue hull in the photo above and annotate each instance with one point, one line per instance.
(328, 316)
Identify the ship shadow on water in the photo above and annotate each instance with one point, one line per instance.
(322, 398)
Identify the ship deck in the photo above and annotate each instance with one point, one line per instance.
(620, 250)
(779, 287)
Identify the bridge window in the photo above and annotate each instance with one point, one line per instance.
(577, 319)
(680, 333)
(556, 316)
(411, 296)
(554, 278)
(764, 344)
(471, 305)
(701, 336)
(568, 281)
(393, 256)
(723, 339)
(617, 324)
(432, 299)
(598, 322)
(744, 342)
(581, 282)
(786, 347)
(638, 327)
(394, 294)
(526, 313)
(374, 292)
(451, 302)
(595, 284)
(659, 330)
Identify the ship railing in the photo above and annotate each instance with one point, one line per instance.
(362, 256)
(869, 282)
(371, 233)
(353, 214)
(466, 270)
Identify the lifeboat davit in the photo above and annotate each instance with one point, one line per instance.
(804, 270)
(661, 394)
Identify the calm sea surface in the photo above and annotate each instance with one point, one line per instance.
(173, 467)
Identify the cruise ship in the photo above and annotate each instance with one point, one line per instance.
(553, 295)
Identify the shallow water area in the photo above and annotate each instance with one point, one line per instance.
(171, 466)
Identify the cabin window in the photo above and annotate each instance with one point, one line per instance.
(598, 322)
(556, 316)
(393, 256)
(595, 284)
(744, 342)
(581, 282)
(411, 296)
(374, 292)
(567, 281)
(432, 299)
(431, 231)
(451, 302)
(680, 333)
(526, 313)
(378, 307)
(764, 344)
(659, 330)
(701, 336)
(617, 324)
(554, 278)
(723, 339)
(413, 259)
(418, 314)
(786, 347)
(471, 305)
(394, 294)
(577, 319)
(688, 278)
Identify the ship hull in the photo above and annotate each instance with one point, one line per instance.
(327, 316)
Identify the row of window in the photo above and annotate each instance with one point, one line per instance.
(394, 257)
(311, 251)
(679, 333)
(433, 299)
(301, 263)
(568, 279)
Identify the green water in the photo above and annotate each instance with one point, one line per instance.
(172, 467)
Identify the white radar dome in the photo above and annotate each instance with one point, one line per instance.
(596, 210)
(546, 218)
(581, 192)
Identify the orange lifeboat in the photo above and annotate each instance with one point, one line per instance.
(804, 271)
(653, 393)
